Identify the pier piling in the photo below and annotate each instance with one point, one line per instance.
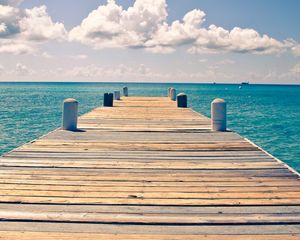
(169, 92)
(218, 115)
(108, 100)
(117, 95)
(173, 94)
(70, 114)
(182, 100)
(125, 91)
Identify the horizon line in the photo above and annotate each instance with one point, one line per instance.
(204, 83)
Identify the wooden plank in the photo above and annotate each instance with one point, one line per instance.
(234, 175)
(115, 187)
(173, 230)
(153, 209)
(93, 236)
(152, 195)
(138, 158)
(134, 199)
(164, 175)
(125, 182)
(135, 218)
(137, 146)
(142, 153)
(104, 164)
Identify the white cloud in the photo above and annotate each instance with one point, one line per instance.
(212, 72)
(46, 55)
(14, 47)
(86, 71)
(1, 69)
(291, 75)
(296, 70)
(3, 27)
(111, 26)
(23, 70)
(216, 39)
(226, 62)
(144, 73)
(144, 25)
(21, 30)
(160, 49)
(296, 50)
(142, 69)
(9, 17)
(79, 57)
(203, 60)
(121, 72)
(38, 26)
(178, 33)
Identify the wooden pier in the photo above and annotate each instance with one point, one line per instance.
(146, 170)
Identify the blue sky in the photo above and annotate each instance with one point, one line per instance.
(161, 41)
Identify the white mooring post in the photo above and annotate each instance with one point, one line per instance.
(125, 91)
(169, 91)
(218, 115)
(117, 95)
(173, 94)
(182, 100)
(70, 114)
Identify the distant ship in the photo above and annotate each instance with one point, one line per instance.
(245, 83)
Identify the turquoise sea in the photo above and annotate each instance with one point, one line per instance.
(269, 115)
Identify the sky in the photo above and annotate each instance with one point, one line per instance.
(197, 41)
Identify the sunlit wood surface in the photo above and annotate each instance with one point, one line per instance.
(146, 169)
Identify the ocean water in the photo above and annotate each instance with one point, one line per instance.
(266, 114)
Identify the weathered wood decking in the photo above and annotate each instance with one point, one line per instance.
(146, 170)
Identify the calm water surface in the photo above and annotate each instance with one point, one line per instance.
(267, 115)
